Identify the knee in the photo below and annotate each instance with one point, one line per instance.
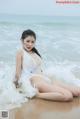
(68, 97)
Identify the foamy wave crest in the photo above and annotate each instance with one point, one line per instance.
(9, 95)
(68, 73)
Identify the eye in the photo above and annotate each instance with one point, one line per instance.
(32, 41)
(27, 41)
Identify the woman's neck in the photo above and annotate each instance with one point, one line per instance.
(30, 52)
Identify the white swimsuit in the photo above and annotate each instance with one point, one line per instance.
(31, 67)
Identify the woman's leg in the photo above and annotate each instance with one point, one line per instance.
(50, 92)
(55, 96)
(74, 89)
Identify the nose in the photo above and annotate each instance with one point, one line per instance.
(30, 44)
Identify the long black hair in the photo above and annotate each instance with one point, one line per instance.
(27, 33)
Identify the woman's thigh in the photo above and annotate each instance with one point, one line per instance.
(45, 87)
(39, 79)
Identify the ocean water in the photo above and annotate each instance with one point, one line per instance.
(58, 41)
(58, 38)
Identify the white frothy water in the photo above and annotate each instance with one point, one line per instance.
(9, 95)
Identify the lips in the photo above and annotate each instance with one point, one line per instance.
(29, 47)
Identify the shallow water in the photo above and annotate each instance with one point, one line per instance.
(41, 109)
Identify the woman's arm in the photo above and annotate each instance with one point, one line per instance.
(18, 67)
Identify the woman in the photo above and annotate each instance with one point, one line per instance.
(28, 70)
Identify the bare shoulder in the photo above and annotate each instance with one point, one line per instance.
(19, 53)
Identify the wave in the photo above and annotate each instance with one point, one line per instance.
(10, 97)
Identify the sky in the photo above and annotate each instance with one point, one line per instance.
(38, 7)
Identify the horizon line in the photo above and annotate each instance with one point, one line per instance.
(40, 15)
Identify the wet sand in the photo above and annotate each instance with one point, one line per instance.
(42, 109)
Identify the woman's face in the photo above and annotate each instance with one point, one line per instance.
(29, 43)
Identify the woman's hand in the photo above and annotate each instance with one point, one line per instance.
(16, 83)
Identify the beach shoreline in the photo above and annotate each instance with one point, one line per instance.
(43, 109)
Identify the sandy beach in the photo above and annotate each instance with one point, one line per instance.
(42, 109)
